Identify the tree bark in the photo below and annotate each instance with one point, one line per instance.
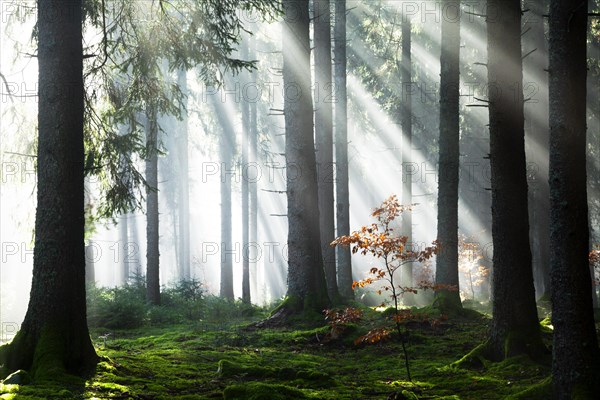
(152, 233)
(515, 328)
(307, 289)
(449, 162)
(575, 364)
(324, 139)
(54, 336)
(341, 152)
(253, 186)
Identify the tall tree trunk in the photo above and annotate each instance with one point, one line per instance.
(536, 112)
(253, 186)
(54, 335)
(576, 359)
(245, 105)
(447, 229)
(324, 139)
(406, 125)
(341, 151)
(226, 150)
(515, 328)
(184, 186)
(307, 289)
(152, 234)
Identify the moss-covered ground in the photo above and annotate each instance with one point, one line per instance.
(232, 360)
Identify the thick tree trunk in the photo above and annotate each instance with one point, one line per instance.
(576, 359)
(54, 335)
(184, 187)
(307, 289)
(324, 139)
(449, 162)
(343, 254)
(152, 234)
(515, 328)
(406, 125)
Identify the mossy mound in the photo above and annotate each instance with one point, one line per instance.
(262, 391)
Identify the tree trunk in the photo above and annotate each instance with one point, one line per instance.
(307, 289)
(245, 105)
(536, 113)
(406, 125)
(447, 229)
(184, 186)
(575, 364)
(324, 139)
(515, 328)
(122, 248)
(253, 186)
(226, 149)
(341, 152)
(54, 335)
(152, 234)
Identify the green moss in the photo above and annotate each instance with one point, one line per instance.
(475, 359)
(261, 391)
(542, 390)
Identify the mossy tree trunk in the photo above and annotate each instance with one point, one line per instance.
(576, 359)
(447, 228)
(324, 139)
(307, 289)
(343, 254)
(515, 328)
(152, 234)
(54, 336)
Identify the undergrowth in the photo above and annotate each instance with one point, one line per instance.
(227, 357)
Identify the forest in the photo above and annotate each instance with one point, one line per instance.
(300, 199)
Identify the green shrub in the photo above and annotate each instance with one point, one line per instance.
(114, 308)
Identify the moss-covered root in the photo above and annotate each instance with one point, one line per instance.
(262, 391)
(48, 354)
(294, 310)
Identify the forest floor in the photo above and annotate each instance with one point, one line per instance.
(233, 360)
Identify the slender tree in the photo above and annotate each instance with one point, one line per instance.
(449, 162)
(324, 138)
(152, 233)
(226, 152)
(54, 334)
(183, 184)
(245, 105)
(576, 358)
(253, 185)
(341, 152)
(515, 328)
(406, 125)
(307, 289)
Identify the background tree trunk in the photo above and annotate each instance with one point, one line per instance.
(184, 186)
(245, 105)
(343, 254)
(515, 328)
(406, 275)
(324, 139)
(446, 272)
(54, 334)
(576, 359)
(152, 233)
